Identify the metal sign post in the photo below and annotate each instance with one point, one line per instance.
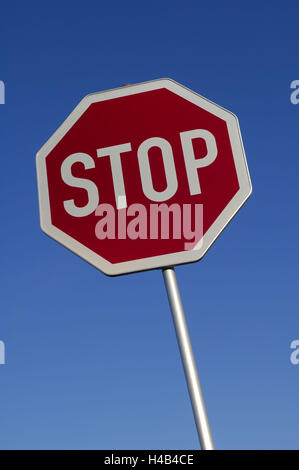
(197, 401)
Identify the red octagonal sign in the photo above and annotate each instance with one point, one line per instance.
(142, 177)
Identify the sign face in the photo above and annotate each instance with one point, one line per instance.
(142, 177)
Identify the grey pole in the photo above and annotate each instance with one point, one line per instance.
(197, 401)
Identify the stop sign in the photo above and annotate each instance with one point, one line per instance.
(142, 177)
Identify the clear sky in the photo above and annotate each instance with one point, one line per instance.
(91, 361)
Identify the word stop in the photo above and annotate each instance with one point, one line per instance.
(116, 153)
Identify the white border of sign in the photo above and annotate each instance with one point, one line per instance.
(157, 261)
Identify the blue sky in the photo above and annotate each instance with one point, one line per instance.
(92, 361)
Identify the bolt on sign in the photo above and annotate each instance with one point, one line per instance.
(142, 177)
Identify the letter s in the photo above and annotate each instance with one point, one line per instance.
(89, 186)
